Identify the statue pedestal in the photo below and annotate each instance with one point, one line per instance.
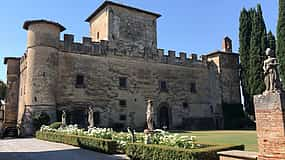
(270, 125)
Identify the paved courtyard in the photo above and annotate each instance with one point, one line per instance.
(34, 149)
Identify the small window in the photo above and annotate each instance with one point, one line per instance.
(212, 109)
(193, 88)
(98, 35)
(79, 81)
(123, 103)
(123, 117)
(185, 105)
(163, 86)
(123, 82)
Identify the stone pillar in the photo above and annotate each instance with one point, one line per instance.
(270, 125)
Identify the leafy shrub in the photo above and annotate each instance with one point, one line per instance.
(40, 119)
(55, 125)
(159, 152)
(100, 145)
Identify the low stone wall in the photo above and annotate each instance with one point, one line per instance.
(237, 155)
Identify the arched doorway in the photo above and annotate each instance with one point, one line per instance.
(164, 116)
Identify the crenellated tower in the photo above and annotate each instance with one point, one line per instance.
(42, 61)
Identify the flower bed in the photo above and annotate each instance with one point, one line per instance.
(165, 146)
(122, 138)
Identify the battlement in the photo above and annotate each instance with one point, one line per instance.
(108, 48)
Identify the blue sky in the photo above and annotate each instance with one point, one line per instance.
(194, 26)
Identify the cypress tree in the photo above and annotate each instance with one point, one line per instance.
(244, 41)
(271, 41)
(281, 40)
(258, 45)
(262, 30)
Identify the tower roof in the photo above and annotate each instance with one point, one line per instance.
(28, 23)
(106, 3)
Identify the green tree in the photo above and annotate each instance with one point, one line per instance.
(244, 48)
(281, 40)
(3, 88)
(253, 43)
(258, 45)
(271, 41)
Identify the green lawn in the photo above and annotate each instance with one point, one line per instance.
(248, 138)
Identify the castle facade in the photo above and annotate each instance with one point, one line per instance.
(115, 72)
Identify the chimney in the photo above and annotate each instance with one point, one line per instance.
(227, 45)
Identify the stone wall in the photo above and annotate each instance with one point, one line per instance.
(228, 69)
(133, 28)
(103, 63)
(101, 89)
(11, 106)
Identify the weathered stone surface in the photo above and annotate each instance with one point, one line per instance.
(270, 124)
(11, 106)
(194, 93)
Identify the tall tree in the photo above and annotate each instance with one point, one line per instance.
(271, 41)
(281, 40)
(244, 48)
(263, 31)
(3, 89)
(258, 45)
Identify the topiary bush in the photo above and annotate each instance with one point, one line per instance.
(55, 125)
(95, 144)
(158, 152)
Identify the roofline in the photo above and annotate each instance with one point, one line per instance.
(7, 58)
(221, 52)
(29, 22)
(120, 5)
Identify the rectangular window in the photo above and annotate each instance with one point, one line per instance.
(123, 117)
(193, 88)
(123, 103)
(123, 82)
(163, 86)
(79, 81)
(98, 35)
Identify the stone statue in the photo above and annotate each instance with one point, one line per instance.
(90, 118)
(149, 115)
(271, 76)
(63, 118)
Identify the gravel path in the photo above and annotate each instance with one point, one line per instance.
(34, 149)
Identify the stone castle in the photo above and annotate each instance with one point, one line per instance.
(115, 72)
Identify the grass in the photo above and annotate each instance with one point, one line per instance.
(248, 138)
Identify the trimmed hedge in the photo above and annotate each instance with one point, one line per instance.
(155, 152)
(95, 144)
